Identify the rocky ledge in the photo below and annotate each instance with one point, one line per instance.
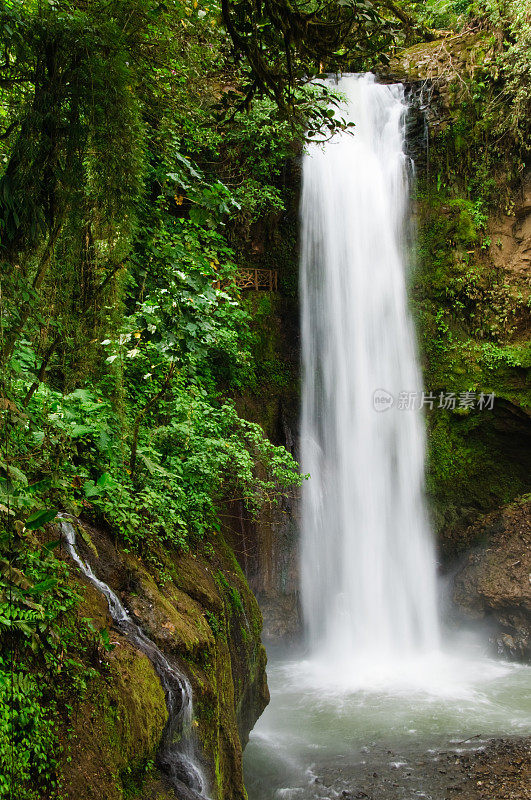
(493, 583)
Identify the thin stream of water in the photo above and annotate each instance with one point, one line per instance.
(178, 755)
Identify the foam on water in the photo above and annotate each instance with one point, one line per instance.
(341, 731)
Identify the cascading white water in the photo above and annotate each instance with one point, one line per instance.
(367, 561)
(378, 700)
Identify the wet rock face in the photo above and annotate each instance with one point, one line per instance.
(512, 234)
(494, 583)
(267, 550)
(267, 546)
(200, 612)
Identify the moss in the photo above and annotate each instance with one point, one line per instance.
(204, 616)
(116, 730)
(467, 312)
(471, 469)
(461, 53)
(276, 352)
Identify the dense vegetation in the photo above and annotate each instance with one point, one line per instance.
(123, 337)
(471, 289)
(143, 148)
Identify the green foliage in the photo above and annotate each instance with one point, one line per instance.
(132, 777)
(27, 736)
(151, 442)
(34, 597)
(72, 116)
(512, 19)
(485, 144)
(492, 356)
(125, 207)
(284, 46)
(443, 13)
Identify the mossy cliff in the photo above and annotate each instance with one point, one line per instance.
(199, 610)
(470, 287)
(267, 546)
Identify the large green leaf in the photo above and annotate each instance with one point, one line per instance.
(39, 518)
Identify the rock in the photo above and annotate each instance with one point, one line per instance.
(493, 582)
(203, 616)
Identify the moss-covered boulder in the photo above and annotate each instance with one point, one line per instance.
(114, 732)
(200, 611)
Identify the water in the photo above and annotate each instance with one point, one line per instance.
(386, 742)
(379, 694)
(367, 564)
(177, 755)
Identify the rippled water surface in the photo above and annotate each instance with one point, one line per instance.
(380, 735)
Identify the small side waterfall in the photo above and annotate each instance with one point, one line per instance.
(367, 561)
(178, 751)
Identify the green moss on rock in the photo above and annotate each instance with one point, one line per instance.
(204, 616)
(115, 731)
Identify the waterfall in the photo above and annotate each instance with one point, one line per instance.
(177, 753)
(368, 577)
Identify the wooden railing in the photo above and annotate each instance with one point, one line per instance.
(257, 279)
(265, 279)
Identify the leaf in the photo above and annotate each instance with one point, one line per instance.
(39, 518)
(43, 586)
(105, 638)
(91, 490)
(13, 473)
(88, 541)
(14, 575)
(81, 430)
(49, 546)
(105, 480)
(40, 486)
